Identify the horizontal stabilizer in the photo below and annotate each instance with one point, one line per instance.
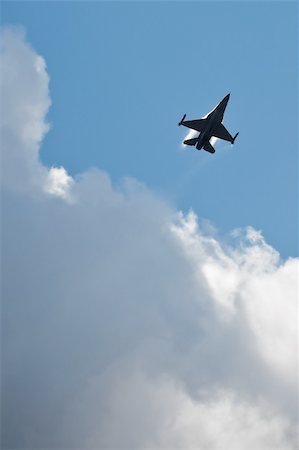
(191, 141)
(209, 147)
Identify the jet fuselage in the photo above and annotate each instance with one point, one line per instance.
(214, 119)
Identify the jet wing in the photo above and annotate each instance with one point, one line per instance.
(222, 133)
(197, 125)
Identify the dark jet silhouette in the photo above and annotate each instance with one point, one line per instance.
(208, 127)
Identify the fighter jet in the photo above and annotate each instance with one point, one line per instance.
(209, 126)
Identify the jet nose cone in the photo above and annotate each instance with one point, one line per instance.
(224, 101)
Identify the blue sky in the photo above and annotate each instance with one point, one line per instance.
(122, 74)
(127, 321)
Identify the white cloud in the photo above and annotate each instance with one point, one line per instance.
(251, 279)
(271, 304)
(59, 183)
(169, 418)
(25, 100)
(125, 325)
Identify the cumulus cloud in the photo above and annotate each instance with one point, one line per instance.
(250, 279)
(25, 100)
(165, 416)
(126, 324)
(59, 183)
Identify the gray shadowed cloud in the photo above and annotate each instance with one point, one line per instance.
(127, 324)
